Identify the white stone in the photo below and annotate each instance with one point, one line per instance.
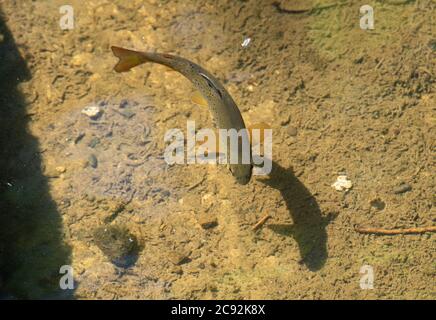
(92, 111)
(246, 42)
(342, 183)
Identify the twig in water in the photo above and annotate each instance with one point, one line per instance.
(261, 222)
(308, 10)
(381, 231)
(195, 185)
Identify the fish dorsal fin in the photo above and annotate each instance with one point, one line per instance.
(198, 98)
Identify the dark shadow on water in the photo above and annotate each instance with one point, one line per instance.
(31, 246)
(308, 227)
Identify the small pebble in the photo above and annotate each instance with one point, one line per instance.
(358, 60)
(292, 131)
(94, 142)
(124, 103)
(402, 188)
(207, 220)
(378, 204)
(179, 258)
(342, 183)
(92, 111)
(246, 42)
(92, 159)
(79, 137)
(285, 121)
(61, 169)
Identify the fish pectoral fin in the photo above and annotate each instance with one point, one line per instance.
(128, 58)
(198, 98)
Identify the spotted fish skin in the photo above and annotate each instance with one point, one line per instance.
(225, 112)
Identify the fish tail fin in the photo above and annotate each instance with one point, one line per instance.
(128, 58)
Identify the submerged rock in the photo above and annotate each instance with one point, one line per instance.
(207, 221)
(402, 188)
(92, 160)
(179, 257)
(342, 183)
(92, 111)
(378, 204)
(118, 244)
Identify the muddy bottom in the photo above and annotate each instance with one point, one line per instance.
(84, 182)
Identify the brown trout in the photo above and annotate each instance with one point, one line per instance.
(224, 110)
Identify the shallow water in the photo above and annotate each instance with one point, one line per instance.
(340, 101)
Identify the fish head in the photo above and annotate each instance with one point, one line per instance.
(242, 172)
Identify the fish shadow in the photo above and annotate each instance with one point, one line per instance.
(309, 226)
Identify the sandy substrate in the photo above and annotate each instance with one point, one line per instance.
(340, 101)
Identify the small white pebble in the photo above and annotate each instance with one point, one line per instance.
(207, 196)
(246, 42)
(91, 111)
(342, 183)
(60, 169)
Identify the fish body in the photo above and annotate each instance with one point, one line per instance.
(223, 108)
